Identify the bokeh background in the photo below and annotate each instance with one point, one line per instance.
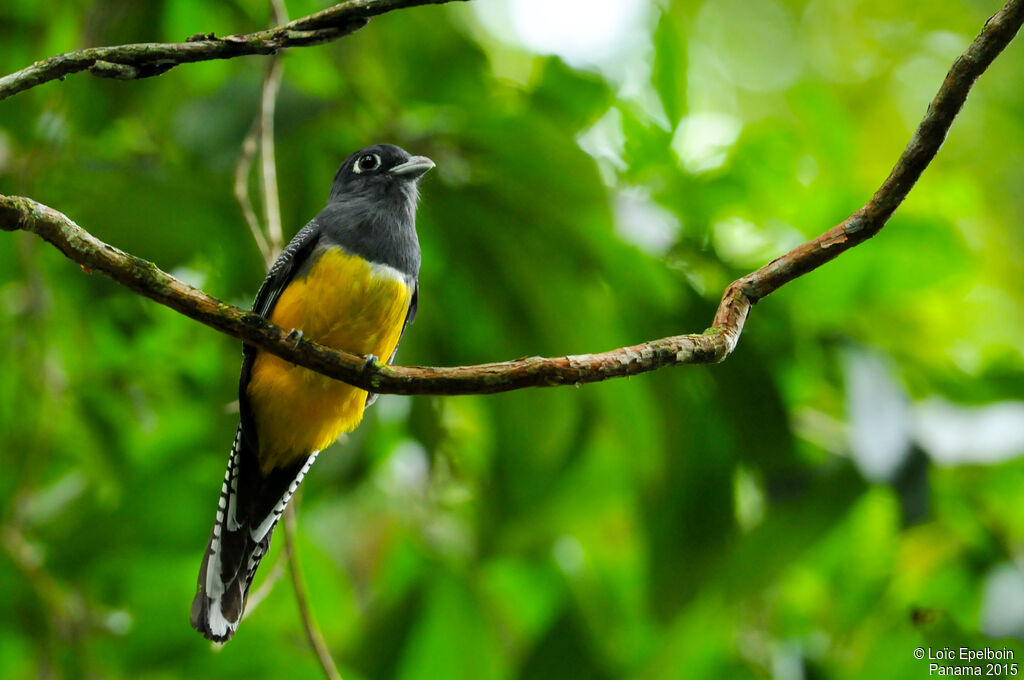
(845, 488)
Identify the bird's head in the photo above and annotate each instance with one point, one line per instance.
(379, 171)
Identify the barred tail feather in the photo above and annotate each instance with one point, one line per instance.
(239, 540)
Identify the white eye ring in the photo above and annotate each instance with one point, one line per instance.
(368, 162)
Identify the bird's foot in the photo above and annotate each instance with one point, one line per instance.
(296, 335)
(371, 363)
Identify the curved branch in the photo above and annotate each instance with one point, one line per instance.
(144, 60)
(713, 345)
(997, 33)
(147, 279)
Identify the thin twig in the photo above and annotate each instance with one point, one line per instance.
(145, 60)
(241, 190)
(713, 345)
(268, 101)
(323, 654)
(271, 203)
(269, 241)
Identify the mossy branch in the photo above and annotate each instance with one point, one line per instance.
(145, 60)
(712, 345)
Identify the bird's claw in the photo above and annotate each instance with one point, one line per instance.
(296, 335)
(371, 362)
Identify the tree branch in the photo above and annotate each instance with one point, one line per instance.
(147, 279)
(713, 345)
(144, 60)
(997, 33)
(313, 634)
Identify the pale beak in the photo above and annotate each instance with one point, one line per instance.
(413, 168)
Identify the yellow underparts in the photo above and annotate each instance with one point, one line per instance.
(341, 303)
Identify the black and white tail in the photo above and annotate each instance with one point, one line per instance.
(248, 510)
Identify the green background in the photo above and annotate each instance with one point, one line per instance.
(843, 489)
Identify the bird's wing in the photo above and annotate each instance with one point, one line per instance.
(284, 268)
(287, 265)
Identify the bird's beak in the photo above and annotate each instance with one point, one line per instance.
(413, 168)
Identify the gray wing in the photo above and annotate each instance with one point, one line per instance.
(284, 268)
(288, 264)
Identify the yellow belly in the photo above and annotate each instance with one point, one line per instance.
(340, 303)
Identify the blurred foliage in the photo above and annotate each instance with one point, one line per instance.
(715, 521)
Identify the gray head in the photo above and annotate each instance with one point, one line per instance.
(380, 172)
(372, 207)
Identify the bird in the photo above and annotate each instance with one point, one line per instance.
(349, 279)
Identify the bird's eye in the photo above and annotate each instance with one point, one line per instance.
(368, 162)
